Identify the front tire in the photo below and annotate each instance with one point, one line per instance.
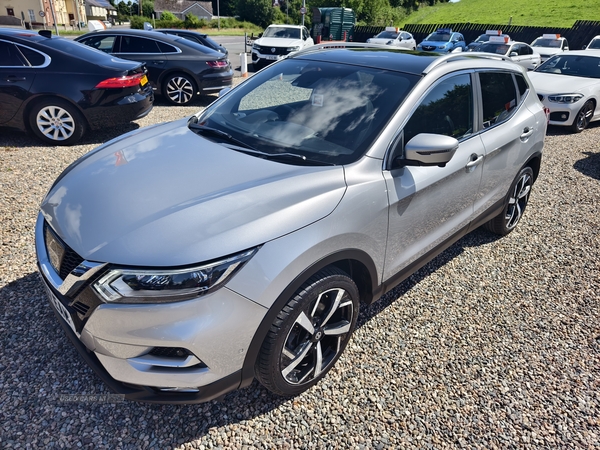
(179, 89)
(516, 203)
(57, 122)
(309, 333)
(583, 118)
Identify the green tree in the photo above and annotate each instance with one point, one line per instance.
(167, 15)
(147, 8)
(260, 12)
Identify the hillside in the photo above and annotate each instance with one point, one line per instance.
(556, 13)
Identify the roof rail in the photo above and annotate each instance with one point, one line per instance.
(459, 55)
(342, 44)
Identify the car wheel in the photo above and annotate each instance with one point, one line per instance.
(583, 117)
(516, 203)
(179, 89)
(57, 122)
(309, 333)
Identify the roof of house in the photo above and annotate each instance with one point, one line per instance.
(180, 6)
(101, 4)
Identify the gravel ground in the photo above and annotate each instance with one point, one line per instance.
(494, 344)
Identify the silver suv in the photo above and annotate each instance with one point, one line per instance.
(187, 258)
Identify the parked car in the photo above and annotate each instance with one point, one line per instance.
(473, 46)
(240, 242)
(519, 52)
(178, 69)
(394, 36)
(60, 89)
(568, 84)
(277, 41)
(202, 39)
(594, 44)
(443, 40)
(548, 45)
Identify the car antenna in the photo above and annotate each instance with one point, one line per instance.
(45, 33)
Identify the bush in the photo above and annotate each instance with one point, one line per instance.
(137, 22)
(191, 21)
(175, 23)
(167, 15)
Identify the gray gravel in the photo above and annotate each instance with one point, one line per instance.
(494, 344)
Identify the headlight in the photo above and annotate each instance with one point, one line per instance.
(565, 98)
(255, 46)
(293, 49)
(163, 285)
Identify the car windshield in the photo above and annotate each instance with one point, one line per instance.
(282, 32)
(572, 65)
(594, 44)
(490, 47)
(544, 42)
(438, 37)
(328, 113)
(387, 35)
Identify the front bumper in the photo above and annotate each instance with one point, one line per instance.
(125, 344)
(562, 114)
(258, 57)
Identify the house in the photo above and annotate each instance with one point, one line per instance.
(181, 8)
(100, 9)
(38, 13)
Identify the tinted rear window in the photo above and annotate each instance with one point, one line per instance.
(77, 49)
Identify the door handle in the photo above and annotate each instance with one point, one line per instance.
(474, 162)
(527, 132)
(13, 78)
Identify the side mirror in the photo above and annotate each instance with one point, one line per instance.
(512, 54)
(427, 149)
(259, 35)
(223, 91)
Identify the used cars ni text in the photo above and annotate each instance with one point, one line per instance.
(240, 243)
(60, 89)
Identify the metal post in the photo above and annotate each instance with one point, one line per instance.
(303, 6)
(53, 16)
(218, 17)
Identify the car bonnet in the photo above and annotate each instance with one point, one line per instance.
(168, 197)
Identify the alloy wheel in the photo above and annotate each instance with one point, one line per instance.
(316, 337)
(180, 90)
(518, 200)
(55, 123)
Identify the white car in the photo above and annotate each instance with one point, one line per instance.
(569, 85)
(594, 44)
(548, 45)
(394, 36)
(277, 41)
(519, 52)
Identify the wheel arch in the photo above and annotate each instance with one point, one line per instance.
(356, 263)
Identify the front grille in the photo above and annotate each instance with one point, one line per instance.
(67, 260)
(429, 48)
(170, 352)
(265, 50)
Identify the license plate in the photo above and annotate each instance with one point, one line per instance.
(62, 311)
(144, 80)
(271, 58)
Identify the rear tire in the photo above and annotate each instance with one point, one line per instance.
(515, 205)
(56, 122)
(179, 89)
(309, 334)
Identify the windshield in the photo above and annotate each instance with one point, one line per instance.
(543, 42)
(573, 65)
(490, 47)
(438, 37)
(387, 35)
(282, 32)
(329, 113)
(594, 44)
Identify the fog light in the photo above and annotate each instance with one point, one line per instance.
(563, 116)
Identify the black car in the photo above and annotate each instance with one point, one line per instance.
(59, 89)
(177, 68)
(200, 38)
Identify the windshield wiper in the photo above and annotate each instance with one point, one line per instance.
(202, 129)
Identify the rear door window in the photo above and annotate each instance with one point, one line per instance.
(135, 44)
(499, 97)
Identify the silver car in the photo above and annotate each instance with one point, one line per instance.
(187, 258)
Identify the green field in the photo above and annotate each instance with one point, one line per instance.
(552, 13)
